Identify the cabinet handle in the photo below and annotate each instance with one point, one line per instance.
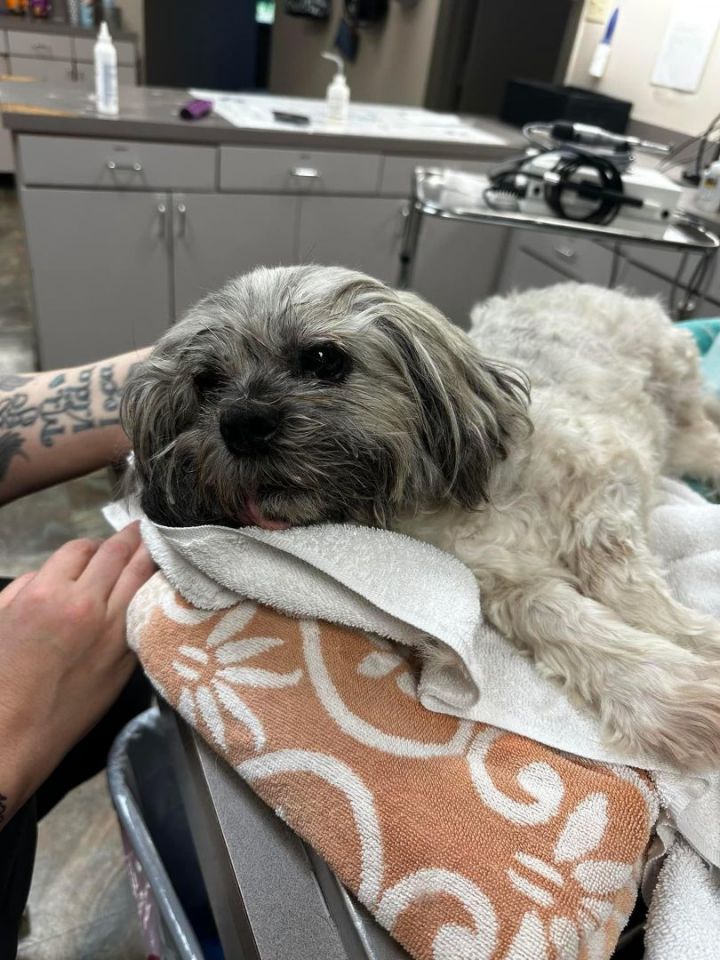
(161, 220)
(305, 173)
(182, 219)
(130, 167)
(566, 253)
(41, 46)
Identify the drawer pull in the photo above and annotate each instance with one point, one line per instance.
(182, 219)
(161, 220)
(566, 253)
(305, 173)
(41, 46)
(130, 167)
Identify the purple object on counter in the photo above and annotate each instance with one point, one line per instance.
(196, 109)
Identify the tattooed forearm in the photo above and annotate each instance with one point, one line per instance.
(13, 381)
(3, 808)
(76, 411)
(65, 407)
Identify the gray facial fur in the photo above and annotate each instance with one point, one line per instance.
(417, 419)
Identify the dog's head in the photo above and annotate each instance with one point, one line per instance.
(296, 395)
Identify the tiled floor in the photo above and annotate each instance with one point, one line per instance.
(80, 905)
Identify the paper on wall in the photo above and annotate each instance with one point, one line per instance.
(686, 45)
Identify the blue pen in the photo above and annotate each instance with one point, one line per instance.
(602, 53)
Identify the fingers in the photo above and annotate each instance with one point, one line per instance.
(70, 560)
(13, 589)
(140, 568)
(110, 560)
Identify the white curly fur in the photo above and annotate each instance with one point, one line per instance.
(561, 554)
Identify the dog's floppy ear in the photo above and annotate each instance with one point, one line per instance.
(151, 415)
(472, 408)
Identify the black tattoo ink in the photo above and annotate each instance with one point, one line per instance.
(70, 402)
(3, 808)
(11, 381)
(111, 391)
(11, 445)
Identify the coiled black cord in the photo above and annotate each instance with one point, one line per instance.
(608, 192)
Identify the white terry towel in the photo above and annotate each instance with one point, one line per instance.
(405, 590)
(684, 914)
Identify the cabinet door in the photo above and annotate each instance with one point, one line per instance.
(359, 233)
(218, 236)
(457, 264)
(523, 271)
(643, 283)
(100, 271)
(48, 71)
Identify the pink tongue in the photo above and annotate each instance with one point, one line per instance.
(257, 519)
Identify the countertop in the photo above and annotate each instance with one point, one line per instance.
(151, 113)
(9, 21)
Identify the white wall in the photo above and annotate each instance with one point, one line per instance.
(637, 41)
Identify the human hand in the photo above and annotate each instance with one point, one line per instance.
(63, 655)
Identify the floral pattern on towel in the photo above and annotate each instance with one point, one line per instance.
(465, 842)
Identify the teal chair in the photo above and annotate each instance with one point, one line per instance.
(707, 337)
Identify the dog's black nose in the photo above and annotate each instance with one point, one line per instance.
(248, 428)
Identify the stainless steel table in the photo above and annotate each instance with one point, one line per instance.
(439, 193)
(272, 896)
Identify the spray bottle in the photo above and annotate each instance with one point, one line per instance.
(338, 93)
(106, 75)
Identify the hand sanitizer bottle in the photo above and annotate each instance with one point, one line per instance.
(106, 75)
(338, 93)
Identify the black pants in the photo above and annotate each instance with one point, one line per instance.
(18, 837)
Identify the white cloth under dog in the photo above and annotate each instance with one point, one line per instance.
(405, 590)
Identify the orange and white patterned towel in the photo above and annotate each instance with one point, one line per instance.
(465, 842)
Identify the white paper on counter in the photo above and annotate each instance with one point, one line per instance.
(686, 46)
(364, 119)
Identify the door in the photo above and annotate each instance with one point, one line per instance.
(362, 233)
(456, 264)
(104, 285)
(218, 236)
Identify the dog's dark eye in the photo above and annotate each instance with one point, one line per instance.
(325, 361)
(207, 381)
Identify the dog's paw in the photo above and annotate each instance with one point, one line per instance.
(679, 726)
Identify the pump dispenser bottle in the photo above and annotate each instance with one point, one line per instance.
(338, 93)
(106, 74)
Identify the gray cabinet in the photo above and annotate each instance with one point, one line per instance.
(360, 233)
(523, 271)
(101, 281)
(217, 236)
(457, 264)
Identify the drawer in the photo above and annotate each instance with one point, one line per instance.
(84, 51)
(3, 41)
(85, 76)
(397, 172)
(294, 171)
(33, 44)
(582, 259)
(48, 71)
(115, 165)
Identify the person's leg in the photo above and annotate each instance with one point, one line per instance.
(17, 857)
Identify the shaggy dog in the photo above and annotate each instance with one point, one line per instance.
(308, 394)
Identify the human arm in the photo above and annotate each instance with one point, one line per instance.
(63, 656)
(61, 424)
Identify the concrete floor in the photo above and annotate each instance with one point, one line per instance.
(80, 907)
